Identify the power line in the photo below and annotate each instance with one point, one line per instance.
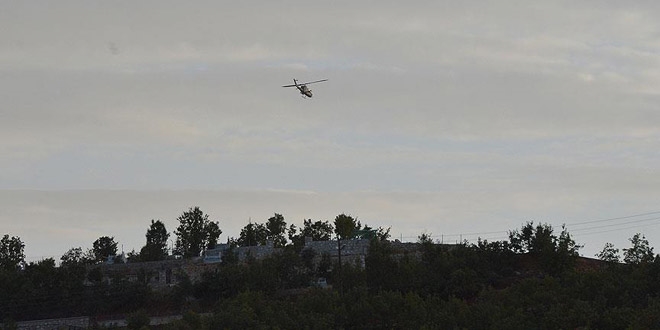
(585, 230)
(612, 219)
(618, 229)
(616, 224)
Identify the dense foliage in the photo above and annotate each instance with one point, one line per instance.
(41, 290)
(317, 231)
(534, 280)
(195, 233)
(156, 246)
(473, 286)
(103, 248)
(11, 252)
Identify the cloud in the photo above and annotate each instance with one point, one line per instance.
(537, 108)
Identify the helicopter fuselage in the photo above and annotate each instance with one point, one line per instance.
(302, 88)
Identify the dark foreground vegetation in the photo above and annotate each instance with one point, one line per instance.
(535, 280)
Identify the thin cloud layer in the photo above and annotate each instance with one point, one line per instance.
(550, 109)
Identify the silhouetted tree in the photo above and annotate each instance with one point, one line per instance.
(195, 233)
(156, 246)
(425, 238)
(103, 248)
(609, 253)
(556, 254)
(253, 234)
(11, 252)
(213, 230)
(345, 226)
(73, 269)
(76, 256)
(277, 230)
(369, 233)
(640, 252)
(383, 234)
(540, 239)
(318, 231)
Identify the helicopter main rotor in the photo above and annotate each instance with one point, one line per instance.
(302, 87)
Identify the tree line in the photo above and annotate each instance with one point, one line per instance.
(197, 233)
(535, 279)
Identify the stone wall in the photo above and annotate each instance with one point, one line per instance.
(155, 273)
(256, 252)
(55, 324)
(163, 274)
(352, 251)
(83, 322)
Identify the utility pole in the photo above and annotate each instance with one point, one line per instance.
(339, 248)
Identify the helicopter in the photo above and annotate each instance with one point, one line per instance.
(302, 87)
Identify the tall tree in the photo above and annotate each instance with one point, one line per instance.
(555, 254)
(345, 225)
(609, 253)
(76, 256)
(213, 231)
(317, 231)
(253, 234)
(425, 238)
(11, 252)
(103, 248)
(195, 233)
(367, 232)
(276, 230)
(640, 252)
(156, 246)
(540, 239)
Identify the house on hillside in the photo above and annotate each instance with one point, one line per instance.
(167, 273)
(353, 251)
(243, 253)
(156, 274)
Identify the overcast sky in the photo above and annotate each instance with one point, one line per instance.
(458, 119)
